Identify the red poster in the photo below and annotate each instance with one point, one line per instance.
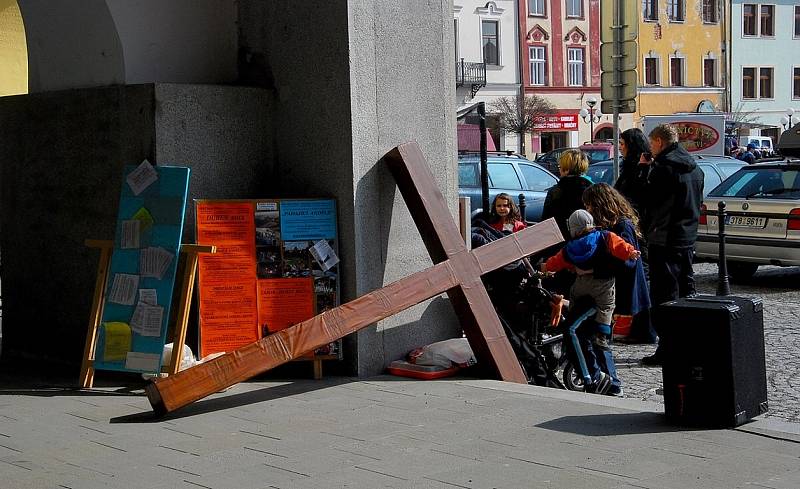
(284, 302)
(227, 278)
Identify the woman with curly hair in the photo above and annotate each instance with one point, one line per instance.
(611, 211)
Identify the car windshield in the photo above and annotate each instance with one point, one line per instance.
(761, 183)
(600, 174)
(597, 154)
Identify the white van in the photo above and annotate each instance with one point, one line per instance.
(763, 143)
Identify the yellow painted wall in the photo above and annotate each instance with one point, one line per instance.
(13, 50)
(694, 40)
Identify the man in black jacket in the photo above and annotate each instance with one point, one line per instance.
(674, 193)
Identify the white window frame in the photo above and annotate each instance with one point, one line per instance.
(456, 30)
(658, 70)
(758, 20)
(716, 71)
(567, 4)
(683, 70)
(755, 83)
(716, 12)
(796, 22)
(655, 10)
(499, 50)
(579, 66)
(682, 4)
(542, 60)
(772, 81)
(795, 96)
(774, 22)
(543, 13)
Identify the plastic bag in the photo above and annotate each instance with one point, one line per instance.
(455, 351)
(187, 357)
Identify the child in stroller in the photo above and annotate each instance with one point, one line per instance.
(525, 310)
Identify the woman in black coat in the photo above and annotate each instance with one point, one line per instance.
(566, 196)
(631, 184)
(632, 175)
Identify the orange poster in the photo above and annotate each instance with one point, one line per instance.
(221, 223)
(228, 315)
(284, 302)
(227, 278)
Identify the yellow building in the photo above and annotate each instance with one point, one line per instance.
(13, 50)
(681, 62)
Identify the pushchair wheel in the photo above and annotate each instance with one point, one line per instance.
(572, 378)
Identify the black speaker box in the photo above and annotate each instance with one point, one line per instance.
(714, 366)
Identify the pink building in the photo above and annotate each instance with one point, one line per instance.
(560, 61)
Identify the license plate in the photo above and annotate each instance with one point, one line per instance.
(746, 222)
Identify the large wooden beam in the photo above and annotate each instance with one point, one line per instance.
(456, 271)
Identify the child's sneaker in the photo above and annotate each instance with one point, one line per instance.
(601, 385)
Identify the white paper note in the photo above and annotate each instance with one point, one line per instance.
(123, 289)
(146, 320)
(148, 362)
(142, 177)
(324, 254)
(154, 261)
(148, 296)
(130, 234)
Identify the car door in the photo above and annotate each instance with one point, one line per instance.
(537, 181)
(711, 178)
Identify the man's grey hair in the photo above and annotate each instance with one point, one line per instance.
(665, 132)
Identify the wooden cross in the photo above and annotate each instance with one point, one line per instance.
(456, 271)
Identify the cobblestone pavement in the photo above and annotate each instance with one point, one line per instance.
(779, 289)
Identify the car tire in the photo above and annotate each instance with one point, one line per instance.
(741, 271)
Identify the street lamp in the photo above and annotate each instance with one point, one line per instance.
(590, 116)
(787, 121)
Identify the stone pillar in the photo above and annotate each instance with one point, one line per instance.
(369, 75)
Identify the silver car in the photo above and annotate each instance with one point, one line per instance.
(763, 222)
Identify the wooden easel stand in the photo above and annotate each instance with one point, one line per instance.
(182, 317)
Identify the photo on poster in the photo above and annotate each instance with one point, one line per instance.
(297, 261)
(268, 261)
(325, 301)
(268, 227)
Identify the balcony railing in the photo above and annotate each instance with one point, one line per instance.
(470, 74)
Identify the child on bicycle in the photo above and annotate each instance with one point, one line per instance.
(589, 253)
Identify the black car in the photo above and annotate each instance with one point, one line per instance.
(549, 160)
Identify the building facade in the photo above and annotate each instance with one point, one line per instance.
(681, 62)
(486, 57)
(765, 66)
(560, 61)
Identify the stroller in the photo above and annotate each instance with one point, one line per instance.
(527, 312)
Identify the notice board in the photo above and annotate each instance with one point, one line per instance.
(276, 265)
(141, 275)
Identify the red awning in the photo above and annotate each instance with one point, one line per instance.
(469, 138)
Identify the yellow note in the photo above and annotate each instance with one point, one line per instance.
(117, 341)
(145, 217)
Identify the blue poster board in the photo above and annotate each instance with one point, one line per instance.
(144, 262)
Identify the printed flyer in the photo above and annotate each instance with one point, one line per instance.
(276, 265)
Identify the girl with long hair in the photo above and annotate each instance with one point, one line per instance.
(613, 212)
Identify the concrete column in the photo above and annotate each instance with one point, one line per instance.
(352, 79)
